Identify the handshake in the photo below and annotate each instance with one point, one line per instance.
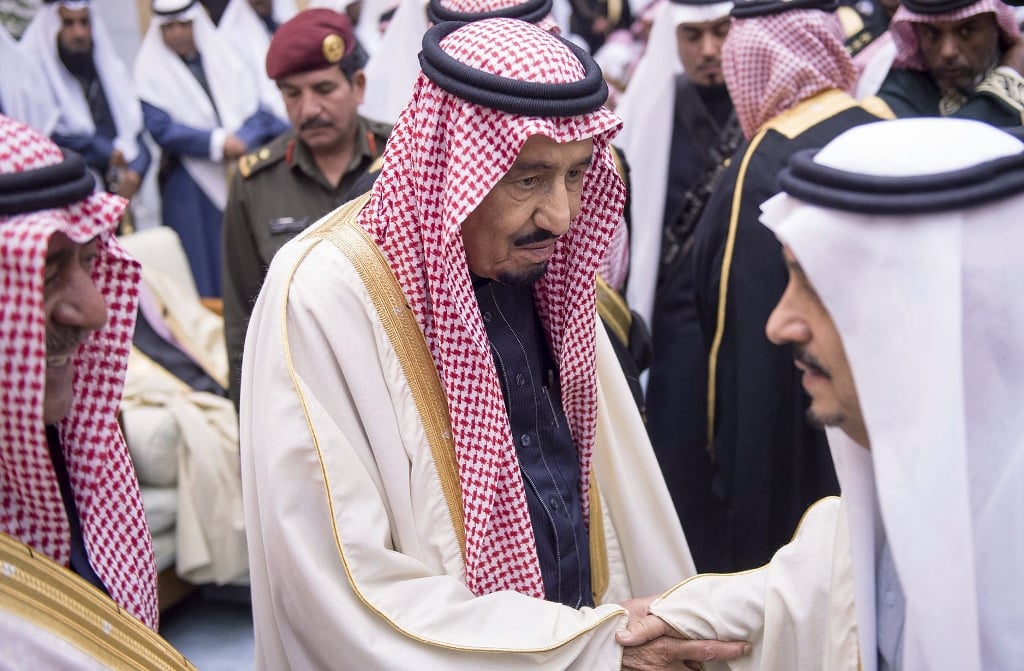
(649, 643)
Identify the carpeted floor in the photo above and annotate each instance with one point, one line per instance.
(213, 628)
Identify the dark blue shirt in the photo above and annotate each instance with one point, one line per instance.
(547, 455)
(79, 557)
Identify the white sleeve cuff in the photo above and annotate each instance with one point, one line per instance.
(217, 137)
(129, 148)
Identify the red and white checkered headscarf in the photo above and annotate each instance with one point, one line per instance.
(102, 478)
(444, 155)
(771, 63)
(908, 54)
(548, 23)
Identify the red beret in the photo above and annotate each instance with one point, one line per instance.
(311, 40)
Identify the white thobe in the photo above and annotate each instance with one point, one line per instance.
(355, 560)
(797, 611)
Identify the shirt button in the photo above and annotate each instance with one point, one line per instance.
(520, 379)
(554, 503)
(487, 317)
(525, 440)
(890, 599)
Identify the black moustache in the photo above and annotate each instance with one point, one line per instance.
(810, 362)
(315, 123)
(533, 238)
(64, 338)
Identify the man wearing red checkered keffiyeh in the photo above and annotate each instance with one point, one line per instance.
(68, 297)
(959, 58)
(789, 77)
(419, 492)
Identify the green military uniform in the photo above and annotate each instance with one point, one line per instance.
(277, 192)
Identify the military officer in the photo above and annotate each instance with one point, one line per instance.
(286, 185)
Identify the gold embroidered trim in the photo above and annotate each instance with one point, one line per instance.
(723, 284)
(599, 579)
(790, 123)
(1005, 85)
(878, 107)
(613, 310)
(405, 335)
(614, 12)
(39, 591)
(810, 112)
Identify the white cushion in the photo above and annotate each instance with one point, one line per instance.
(154, 439)
(161, 506)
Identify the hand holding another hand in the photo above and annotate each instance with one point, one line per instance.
(649, 643)
(234, 147)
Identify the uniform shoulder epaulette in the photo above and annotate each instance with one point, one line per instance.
(251, 163)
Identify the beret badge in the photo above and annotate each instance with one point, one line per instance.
(333, 48)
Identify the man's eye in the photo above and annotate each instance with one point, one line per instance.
(529, 181)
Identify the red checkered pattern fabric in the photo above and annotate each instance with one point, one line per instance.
(908, 56)
(614, 267)
(443, 157)
(548, 23)
(773, 62)
(102, 477)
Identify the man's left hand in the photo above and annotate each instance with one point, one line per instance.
(129, 183)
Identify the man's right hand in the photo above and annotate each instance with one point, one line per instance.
(650, 644)
(234, 147)
(117, 160)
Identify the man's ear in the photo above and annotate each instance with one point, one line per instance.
(359, 84)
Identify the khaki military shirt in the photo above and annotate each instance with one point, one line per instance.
(277, 192)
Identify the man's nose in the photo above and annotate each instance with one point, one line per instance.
(949, 47)
(710, 45)
(785, 324)
(557, 210)
(309, 105)
(80, 304)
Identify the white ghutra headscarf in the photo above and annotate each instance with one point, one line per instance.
(928, 305)
(647, 108)
(40, 44)
(164, 81)
(242, 28)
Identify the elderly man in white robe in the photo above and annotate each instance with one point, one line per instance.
(442, 464)
(79, 585)
(903, 241)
